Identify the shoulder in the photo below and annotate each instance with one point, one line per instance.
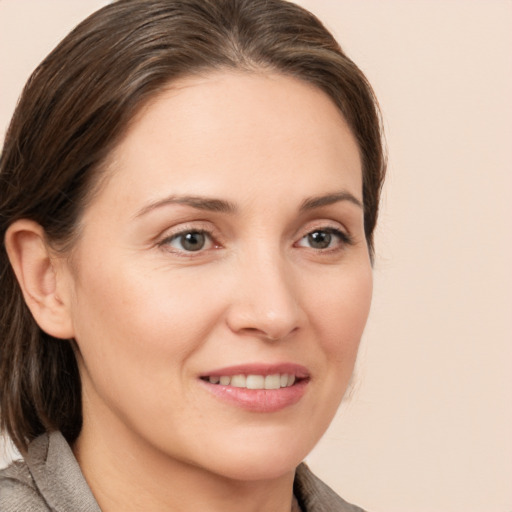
(49, 479)
(18, 492)
(315, 496)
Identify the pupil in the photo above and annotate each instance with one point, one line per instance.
(319, 239)
(193, 241)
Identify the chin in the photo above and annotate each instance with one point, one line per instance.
(262, 458)
(251, 469)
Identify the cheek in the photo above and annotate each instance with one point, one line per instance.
(136, 335)
(341, 312)
(130, 300)
(338, 315)
(129, 325)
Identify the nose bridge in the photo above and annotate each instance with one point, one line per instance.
(266, 301)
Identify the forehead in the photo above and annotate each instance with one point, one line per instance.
(245, 129)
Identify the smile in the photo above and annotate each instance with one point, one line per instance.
(258, 387)
(275, 381)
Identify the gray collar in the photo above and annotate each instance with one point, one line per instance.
(57, 475)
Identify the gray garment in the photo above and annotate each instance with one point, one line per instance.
(50, 480)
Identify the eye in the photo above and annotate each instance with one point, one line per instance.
(321, 239)
(190, 241)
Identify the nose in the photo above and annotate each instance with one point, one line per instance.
(266, 301)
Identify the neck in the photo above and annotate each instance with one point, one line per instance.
(125, 473)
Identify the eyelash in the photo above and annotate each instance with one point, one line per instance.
(344, 239)
(166, 242)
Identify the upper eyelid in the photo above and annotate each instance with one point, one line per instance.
(344, 237)
(164, 242)
(323, 224)
(186, 232)
(165, 238)
(187, 227)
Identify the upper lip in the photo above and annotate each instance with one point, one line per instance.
(300, 372)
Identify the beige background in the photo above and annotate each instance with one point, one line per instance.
(429, 425)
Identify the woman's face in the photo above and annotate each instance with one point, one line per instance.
(224, 252)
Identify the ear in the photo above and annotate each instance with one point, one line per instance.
(40, 276)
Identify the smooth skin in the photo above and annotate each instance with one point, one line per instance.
(165, 285)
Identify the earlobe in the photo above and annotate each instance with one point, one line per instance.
(38, 277)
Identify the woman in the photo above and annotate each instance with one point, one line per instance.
(189, 191)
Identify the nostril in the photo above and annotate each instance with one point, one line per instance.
(269, 335)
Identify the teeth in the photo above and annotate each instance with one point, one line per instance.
(238, 381)
(275, 381)
(272, 382)
(255, 382)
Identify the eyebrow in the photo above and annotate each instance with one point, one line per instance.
(326, 200)
(223, 206)
(198, 202)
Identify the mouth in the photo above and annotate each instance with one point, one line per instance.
(258, 388)
(274, 381)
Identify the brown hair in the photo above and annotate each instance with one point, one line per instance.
(74, 109)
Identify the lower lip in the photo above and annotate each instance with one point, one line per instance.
(259, 400)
